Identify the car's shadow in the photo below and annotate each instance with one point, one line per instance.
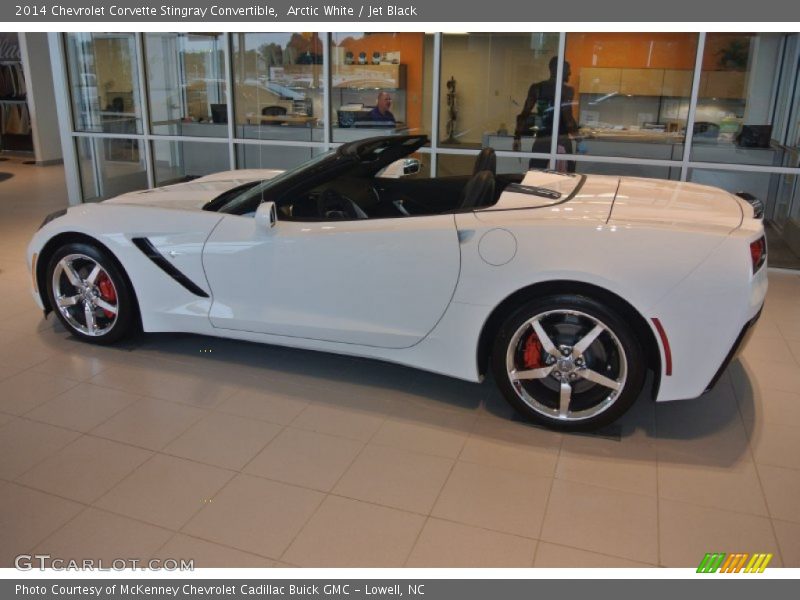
(707, 431)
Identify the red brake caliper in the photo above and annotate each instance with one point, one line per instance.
(107, 292)
(532, 353)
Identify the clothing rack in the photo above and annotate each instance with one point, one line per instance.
(20, 140)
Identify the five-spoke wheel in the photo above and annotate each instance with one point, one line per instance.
(568, 362)
(89, 293)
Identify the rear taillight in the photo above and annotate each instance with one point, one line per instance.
(758, 253)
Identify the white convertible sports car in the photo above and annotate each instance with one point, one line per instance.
(568, 288)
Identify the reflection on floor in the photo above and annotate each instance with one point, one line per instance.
(234, 454)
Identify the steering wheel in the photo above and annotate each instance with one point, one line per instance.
(335, 206)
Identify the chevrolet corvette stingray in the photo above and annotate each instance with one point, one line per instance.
(566, 288)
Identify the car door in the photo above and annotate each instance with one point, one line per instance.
(374, 282)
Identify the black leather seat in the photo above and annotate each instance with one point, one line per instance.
(479, 190)
(486, 161)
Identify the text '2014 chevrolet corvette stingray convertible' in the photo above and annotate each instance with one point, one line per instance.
(567, 288)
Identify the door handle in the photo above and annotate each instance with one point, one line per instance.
(465, 235)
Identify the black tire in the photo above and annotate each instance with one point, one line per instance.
(615, 354)
(109, 327)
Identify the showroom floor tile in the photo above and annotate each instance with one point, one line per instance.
(104, 536)
(602, 520)
(222, 440)
(351, 533)
(209, 554)
(82, 407)
(27, 516)
(305, 458)
(259, 456)
(396, 478)
(85, 469)
(498, 499)
(256, 515)
(449, 544)
(166, 491)
(555, 556)
(691, 530)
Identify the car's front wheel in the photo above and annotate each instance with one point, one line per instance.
(568, 362)
(89, 293)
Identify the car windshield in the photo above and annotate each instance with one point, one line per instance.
(247, 196)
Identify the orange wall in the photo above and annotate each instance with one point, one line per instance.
(643, 50)
(630, 50)
(410, 46)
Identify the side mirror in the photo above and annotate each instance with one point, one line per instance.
(411, 166)
(266, 216)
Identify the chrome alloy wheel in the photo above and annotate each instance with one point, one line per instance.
(85, 295)
(566, 365)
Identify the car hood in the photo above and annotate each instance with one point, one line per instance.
(676, 204)
(193, 195)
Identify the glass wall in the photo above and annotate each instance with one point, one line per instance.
(628, 106)
(630, 92)
(186, 85)
(379, 82)
(736, 100)
(278, 86)
(485, 98)
(104, 82)
(109, 167)
(175, 162)
(257, 156)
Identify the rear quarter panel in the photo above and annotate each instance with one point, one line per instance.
(696, 281)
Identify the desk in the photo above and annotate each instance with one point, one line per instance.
(294, 120)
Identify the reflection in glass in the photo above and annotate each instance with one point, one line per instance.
(175, 162)
(278, 86)
(460, 164)
(538, 117)
(104, 82)
(486, 78)
(737, 120)
(186, 84)
(259, 156)
(632, 92)
(781, 207)
(449, 165)
(598, 168)
(379, 82)
(109, 167)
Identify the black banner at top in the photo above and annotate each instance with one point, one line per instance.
(408, 11)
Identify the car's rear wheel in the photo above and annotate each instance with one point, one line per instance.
(568, 362)
(90, 294)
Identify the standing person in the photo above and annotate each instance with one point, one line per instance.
(542, 97)
(381, 111)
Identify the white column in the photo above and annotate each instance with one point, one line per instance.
(35, 54)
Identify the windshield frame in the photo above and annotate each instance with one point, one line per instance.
(251, 197)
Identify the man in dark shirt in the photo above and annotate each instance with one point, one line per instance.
(542, 96)
(381, 111)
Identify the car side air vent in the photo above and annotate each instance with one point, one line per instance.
(758, 205)
(151, 252)
(531, 190)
